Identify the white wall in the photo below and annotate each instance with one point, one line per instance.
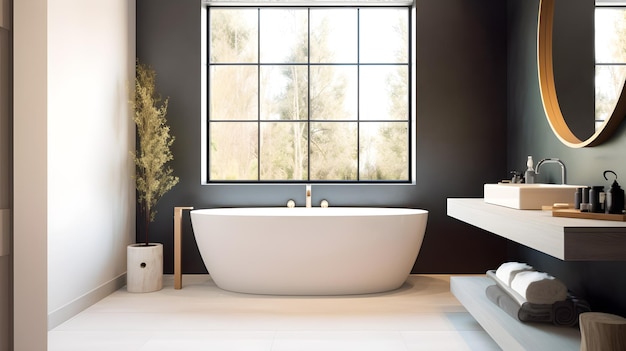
(77, 141)
(91, 210)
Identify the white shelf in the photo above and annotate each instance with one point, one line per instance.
(506, 331)
(570, 239)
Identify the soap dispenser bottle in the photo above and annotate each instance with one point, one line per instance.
(614, 197)
(529, 176)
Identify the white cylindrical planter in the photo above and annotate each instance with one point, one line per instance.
(144, 271)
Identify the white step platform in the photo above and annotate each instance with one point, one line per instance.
(509, 333)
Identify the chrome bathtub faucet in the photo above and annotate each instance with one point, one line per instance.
(308, 195)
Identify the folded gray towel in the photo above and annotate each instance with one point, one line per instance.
(526, 312)
(567, 312)
(562, 313)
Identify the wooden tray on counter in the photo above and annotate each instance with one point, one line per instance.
(573, 213)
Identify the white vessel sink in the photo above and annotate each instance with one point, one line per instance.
(529, 196)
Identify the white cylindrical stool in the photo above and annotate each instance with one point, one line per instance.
(144, 270)
(602, 331)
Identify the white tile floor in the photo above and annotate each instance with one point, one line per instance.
(421, 315)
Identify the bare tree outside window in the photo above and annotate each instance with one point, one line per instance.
(610, 47)
(309, 94)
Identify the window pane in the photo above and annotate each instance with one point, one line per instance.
(383, 35)
(234, 35)
(233, 93)
(334, 35)
(334, 151)
(284, 35)
(284, 152)
(233, 150)
(610, 47)
(383, 93)
(610, 35)
(289, 104)
(334, 92)
(384, 151)
(609, 83)
(284, 92)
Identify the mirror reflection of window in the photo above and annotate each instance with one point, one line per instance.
(610, 56)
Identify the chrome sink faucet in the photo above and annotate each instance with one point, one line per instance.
(552, 160)
(308, 195)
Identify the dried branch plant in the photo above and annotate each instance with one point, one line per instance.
(153, 177)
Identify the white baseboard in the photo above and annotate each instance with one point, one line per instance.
(62, 314)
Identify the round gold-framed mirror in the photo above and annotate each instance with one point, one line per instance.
(548, 90)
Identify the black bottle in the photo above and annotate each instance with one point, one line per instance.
(594, 198)
(578, 197)
(614, 197)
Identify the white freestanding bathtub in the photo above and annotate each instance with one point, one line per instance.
(309, 251)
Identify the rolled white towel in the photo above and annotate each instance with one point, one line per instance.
(507, 271)
(539, 287)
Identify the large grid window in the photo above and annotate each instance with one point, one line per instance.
(309, 94)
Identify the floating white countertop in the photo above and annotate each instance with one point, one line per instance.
(572, 239)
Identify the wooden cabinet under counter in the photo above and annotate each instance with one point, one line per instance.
(569, 239)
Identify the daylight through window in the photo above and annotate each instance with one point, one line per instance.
(309, 94)
(610, 54)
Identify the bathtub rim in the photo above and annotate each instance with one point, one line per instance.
(337, 211)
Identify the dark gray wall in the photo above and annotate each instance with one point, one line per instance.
(461, 128)
(602, 283)
(476, 65)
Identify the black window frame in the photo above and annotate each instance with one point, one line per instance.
(410, 108)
